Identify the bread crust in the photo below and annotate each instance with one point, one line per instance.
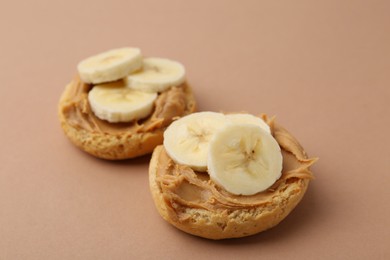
(222, 223)
(114, 147)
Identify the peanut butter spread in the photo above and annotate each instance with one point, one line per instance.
(77, 111)
(183, 187)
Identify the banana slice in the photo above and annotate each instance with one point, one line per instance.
(248, 119)
(115, 102)
(157, 75)
(186, 140)
(110, 65)
(244, 159)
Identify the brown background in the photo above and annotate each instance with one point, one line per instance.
(322, 67)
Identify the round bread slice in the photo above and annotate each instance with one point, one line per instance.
(116, 141)
(191, 202)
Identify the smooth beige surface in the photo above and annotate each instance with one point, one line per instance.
(322, 67)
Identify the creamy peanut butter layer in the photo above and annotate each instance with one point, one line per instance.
(183, 187)
(77, 111)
